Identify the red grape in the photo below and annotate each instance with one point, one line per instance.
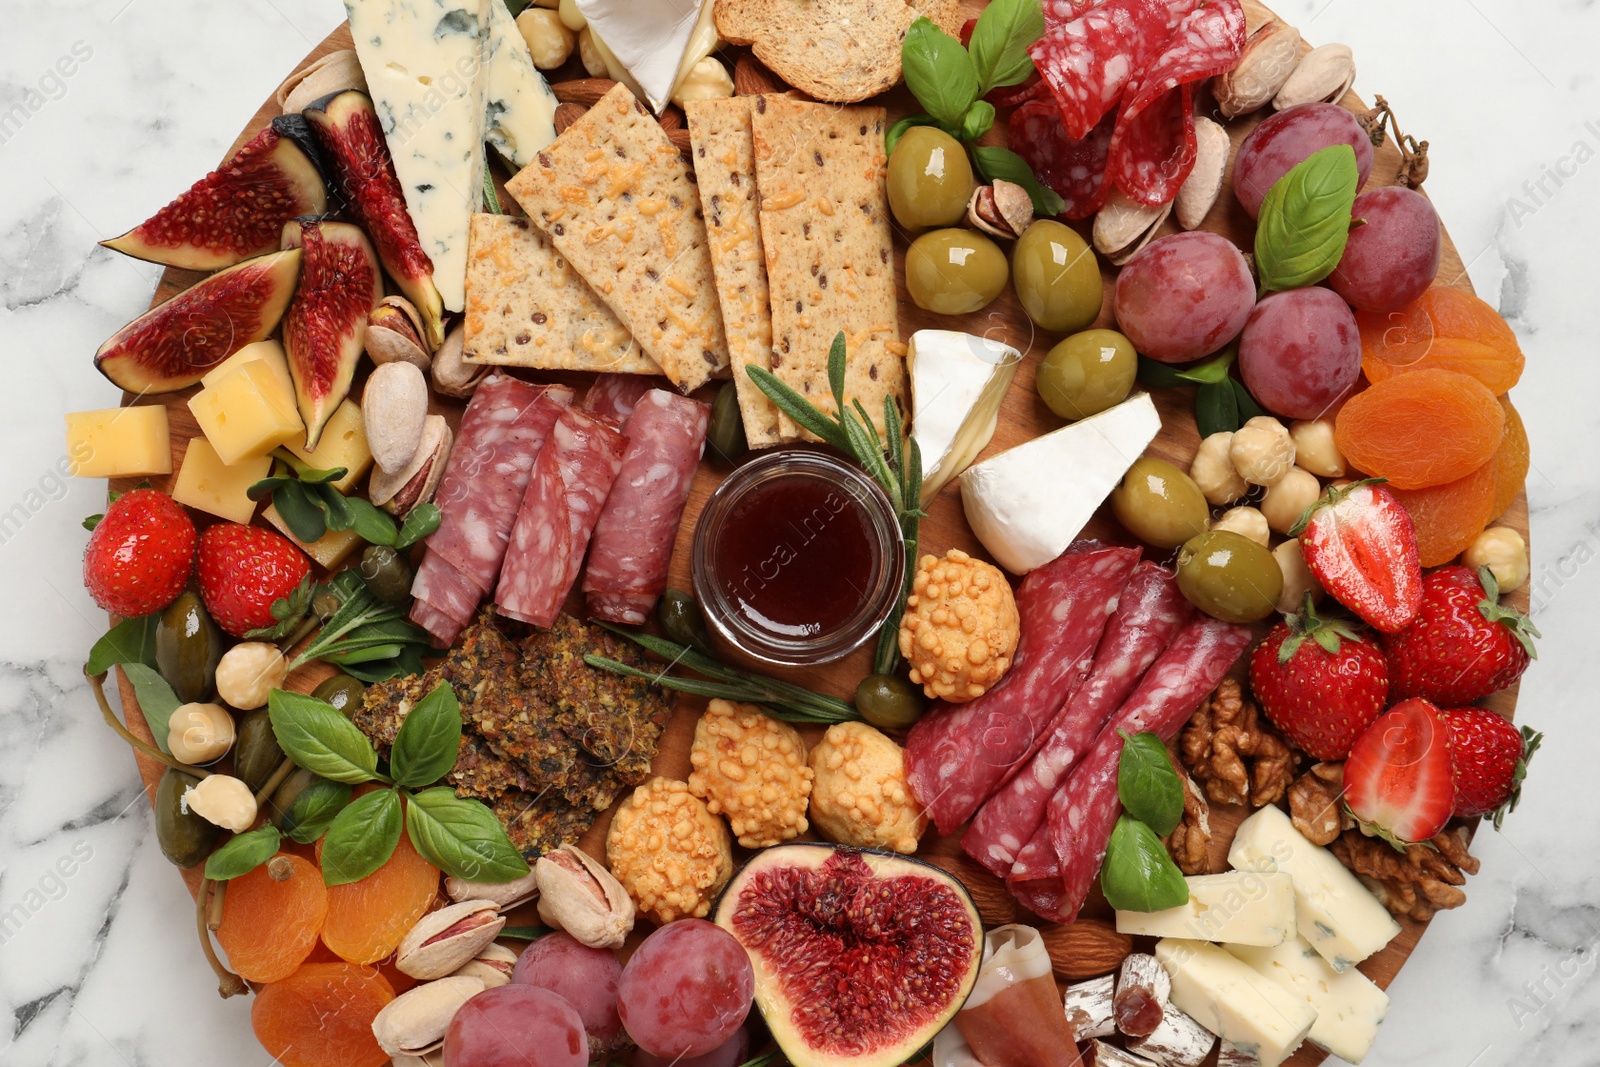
(516, 1026)
(1392, 257)
(584, 977)
(1275, 147)
(1300, 352)
(730, 1053)
(1184, 296)
(686, 989)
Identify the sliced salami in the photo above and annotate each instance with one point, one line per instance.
(1090, 61)
(1076, 170)
(614, 395)
(441, 627)
(568, 486)
(633, 538)
(958, 755)
(501, 432)
(446, 589)
(1150, 612)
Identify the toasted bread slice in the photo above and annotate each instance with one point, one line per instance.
(835, 50)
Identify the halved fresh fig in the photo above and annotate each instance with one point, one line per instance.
(860, 957)
(173, 345)
(326, 326)
(348, 129)
(236, 211)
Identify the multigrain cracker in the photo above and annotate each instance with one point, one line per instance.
(527, 307)
(618, 202)
(725, 170)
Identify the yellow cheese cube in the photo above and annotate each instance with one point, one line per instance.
(329, 550)
(343, 444)
(204, 482)
(119, 442)
(245, 414)
(269, 352)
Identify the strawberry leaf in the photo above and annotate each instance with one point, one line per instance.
(1521, 627)
(1530, 744)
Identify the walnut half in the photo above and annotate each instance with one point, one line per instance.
(1417, 883)
(1190, 839)
(1314, 803)
(1226, 730)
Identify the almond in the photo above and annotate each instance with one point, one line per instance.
(1087, 948)
(585, 91)
(671, 119)
(567, 114)
(680, 140)
(752, 78)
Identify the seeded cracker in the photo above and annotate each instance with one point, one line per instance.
(618, 201)
(536, 824)
(527, 307)
(820, 170)
(725, 169)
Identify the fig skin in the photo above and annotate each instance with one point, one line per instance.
(326, 326)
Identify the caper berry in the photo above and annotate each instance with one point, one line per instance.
(954, 272)
(342, 691)
(1229, 577)
(1159, 504)
(1087, 373)
(725, 434)
(930, 179)
(187, 646)
(1057, 277)
(256, 753)
(386, 574)
(185, 838)
(682, 621)
(889, 702)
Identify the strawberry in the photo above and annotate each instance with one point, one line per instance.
(1360, 543)
(243, 569)
(1488, 760)
(1322, 692)
(1397, 780)
(1462, 645)
(139, 557)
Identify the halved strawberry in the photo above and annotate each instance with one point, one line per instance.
(1489, 759)
(1319, 682)
(1398, 781)
(1360, 543)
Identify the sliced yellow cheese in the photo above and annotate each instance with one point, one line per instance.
(329, 550)
(246, 414)
(206, 483)
(119, 442)
(269, 352)
(343, 444)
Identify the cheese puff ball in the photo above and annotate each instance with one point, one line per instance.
(960, 627)
(669, 852)
(751, 768)
(860, 795)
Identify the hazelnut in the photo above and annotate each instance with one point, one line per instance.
(549, 39)
(249, 672)
(1504, 552)
(1213, 471)
(706, 80)
(1262, 451)
(1285, 502)
(199, 733)
(1246, 521)
(1315, 448)
(752, 769)
(860, 795)
(594, 63)
(222, 800)
(1297, 578)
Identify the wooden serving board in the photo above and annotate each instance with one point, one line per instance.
(1023, 417)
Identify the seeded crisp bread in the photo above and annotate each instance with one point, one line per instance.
(617, 200)
(527, 307)
(825, 231)
(539, 823)
(725, 170)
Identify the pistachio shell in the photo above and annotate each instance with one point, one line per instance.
(577, 894)
(493, 965)
(400, 491)
(395, 332)
(1323, 75)
(1270, 57)
(413, 1024)
(444, 940)
(394, 407)
(506, 894)
(333, 73)
(1124, 226)
(1201, 189)
(452, 374)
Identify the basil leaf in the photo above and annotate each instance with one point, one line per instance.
(156, 699)
(899, 128)
(1212, 370)
(523, 933)
(317, 737)
(429, 739)
(1248, 408)
(1138, 875)
(1000, 40)
(1146, 783)
(362, 837)
(977, 121)
(1216, 409)
(300, 512)
(462, 837)
(129, 641)
(1305, 220)
(420, 521)
(1154, 374)
(1003, 164)
(243, 854)
(314, 808)
(938, 71)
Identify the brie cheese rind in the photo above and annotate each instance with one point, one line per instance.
(957, 383)
(655, 41)
(1030, 502)
(519, 108)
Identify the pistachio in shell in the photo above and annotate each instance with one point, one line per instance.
(1124, 226)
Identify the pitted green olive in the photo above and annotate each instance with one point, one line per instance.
(1057, 277)
(1159, 504)
(954, 272)
(889, 702)
(930, 179)
(342, 691)
(1230, 577)
(725, 438)
(1087, 373)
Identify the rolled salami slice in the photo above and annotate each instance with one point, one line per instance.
(501, 432)
(614, 395)
(446, 589)
(570, 480)
(633, 538)
(958, 755)
(441, 627)
(1091, 60)
(1150, 611)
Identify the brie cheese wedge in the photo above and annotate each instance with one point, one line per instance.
(957, 383)
(519, 108)
(652, 40)
(1029, 503)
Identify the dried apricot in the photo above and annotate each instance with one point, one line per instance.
(269, 927)
(1448, 517)
(1422, 428)
(1445, 329)
(367, 919)
(321, 1016)
(1510, 461)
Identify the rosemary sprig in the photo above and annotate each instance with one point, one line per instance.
(851, 431)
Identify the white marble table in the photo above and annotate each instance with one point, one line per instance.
(98, 963)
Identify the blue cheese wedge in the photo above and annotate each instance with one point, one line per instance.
(655, 41)
(1349, 1006)
(1239, 907)
(1333, 910)
(957, 383)
(424, 65)
(519, 108)
(1028, 503)
(1231, 999)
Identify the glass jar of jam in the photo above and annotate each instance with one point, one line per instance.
(798, 558)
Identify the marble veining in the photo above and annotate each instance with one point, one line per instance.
(98, 964)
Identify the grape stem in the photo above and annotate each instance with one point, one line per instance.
(1413, 153)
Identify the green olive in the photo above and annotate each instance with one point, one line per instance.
(889, 702)
(1230, 577)
(188, 646)
(1159, 504)
(725, 433)
(387, 575)
(185, 838)
(256, 753)
(1057, 277)
(954, 272)
(343, 692)
(681, 620)
(930, 179)
(1087, 373)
